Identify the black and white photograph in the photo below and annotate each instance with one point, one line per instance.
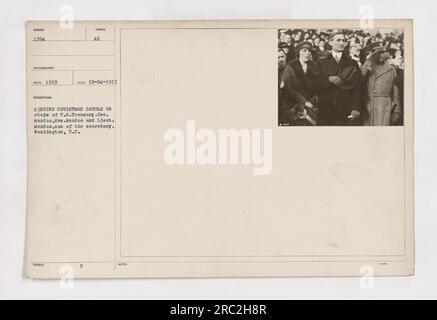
(340, 77)
(150, 152)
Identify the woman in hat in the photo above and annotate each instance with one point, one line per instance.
(298, 85)
(383, 103)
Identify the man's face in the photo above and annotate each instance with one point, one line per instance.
(338, 42)
(316, 41)
(379, 56)
(287, 39)
(282, 59)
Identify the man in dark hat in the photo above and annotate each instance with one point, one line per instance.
(289, 45)
(339, 86)
(283, 99)
(281, 34)
(288, 51)
(288, 38)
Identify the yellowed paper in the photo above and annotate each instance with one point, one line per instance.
(123, 119)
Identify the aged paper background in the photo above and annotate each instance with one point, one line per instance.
(106, 204)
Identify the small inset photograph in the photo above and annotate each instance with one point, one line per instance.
(340, 77)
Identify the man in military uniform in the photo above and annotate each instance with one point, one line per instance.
(383, 103)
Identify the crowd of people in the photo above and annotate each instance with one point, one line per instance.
(340, 77)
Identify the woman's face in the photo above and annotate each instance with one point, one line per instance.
(305, 55)
(354, 51)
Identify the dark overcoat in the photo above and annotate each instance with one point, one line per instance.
(337, 102)
(297, 87)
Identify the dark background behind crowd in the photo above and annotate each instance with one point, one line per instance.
(359, 39)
